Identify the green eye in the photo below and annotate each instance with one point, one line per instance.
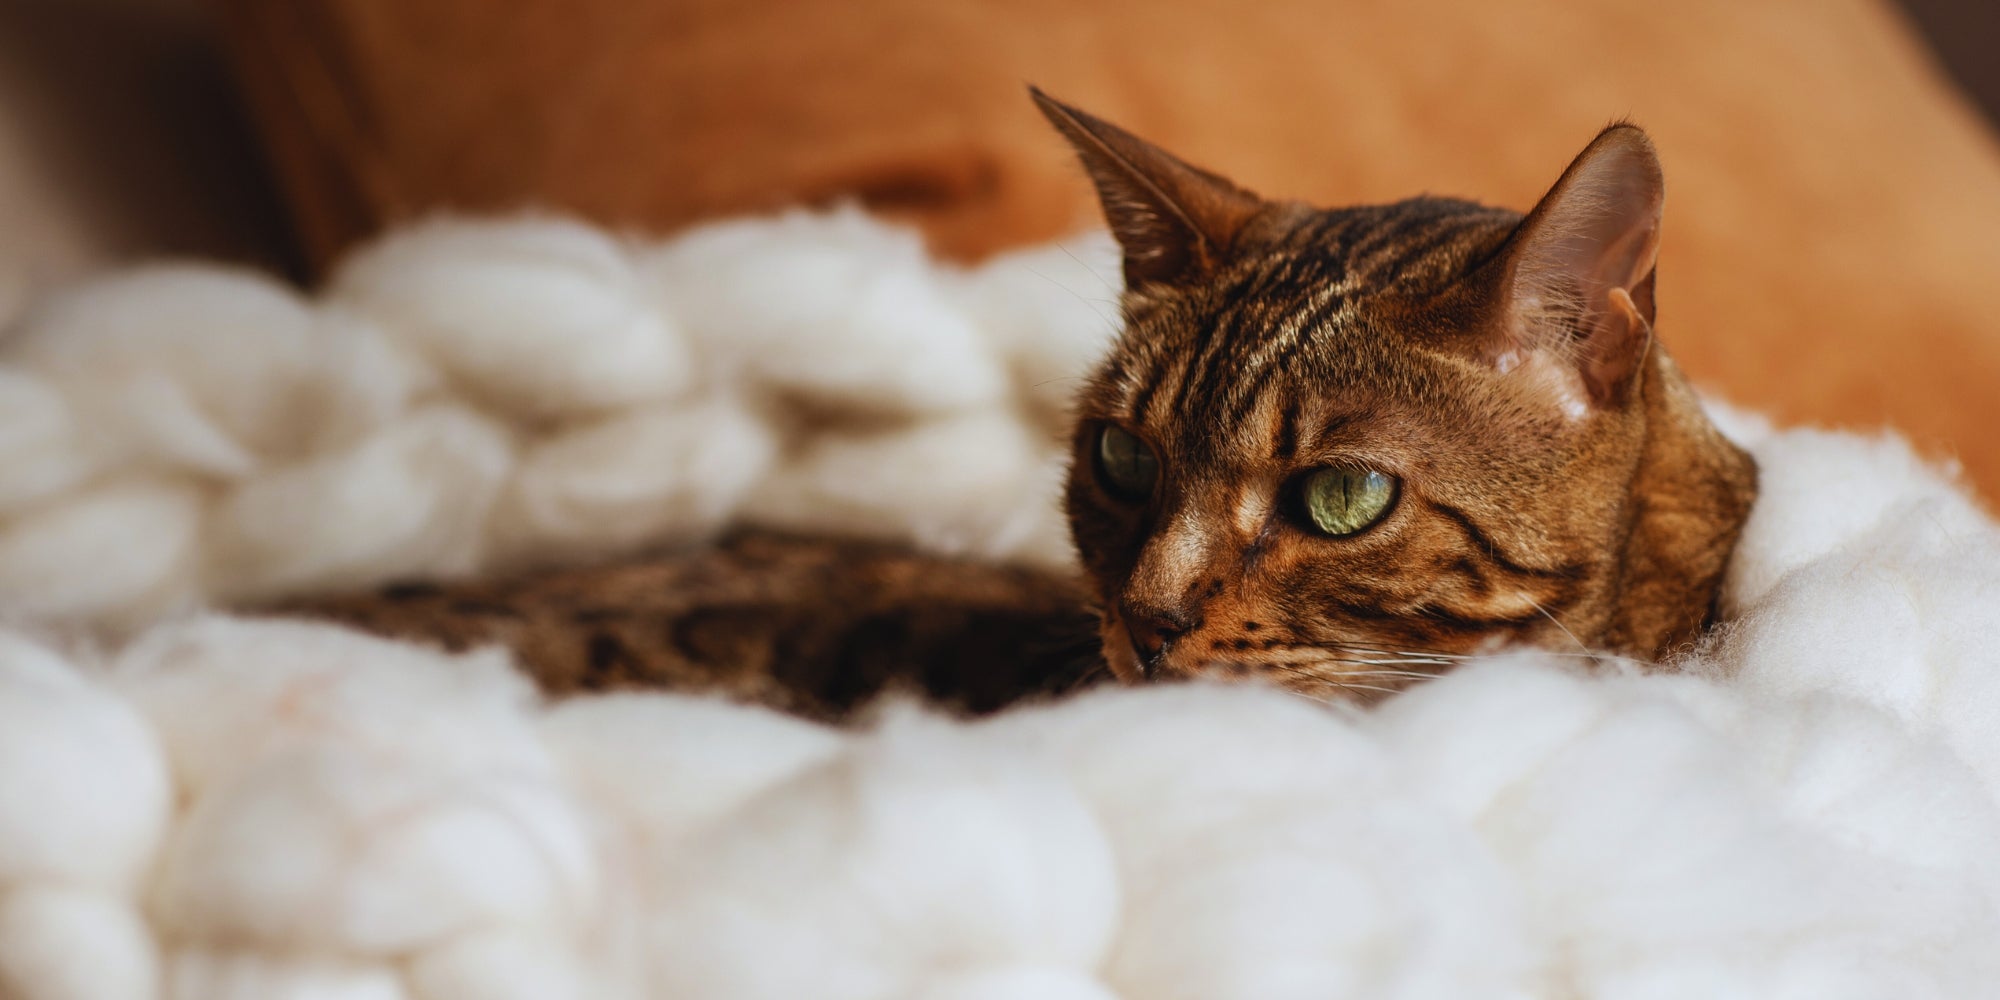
(1341, 502)
(1125, 465)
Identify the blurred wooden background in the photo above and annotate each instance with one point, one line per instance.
(121, 134)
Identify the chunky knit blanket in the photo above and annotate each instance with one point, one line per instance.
(204, 807)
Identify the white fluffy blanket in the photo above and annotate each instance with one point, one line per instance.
(208, 808)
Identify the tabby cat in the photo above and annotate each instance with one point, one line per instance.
(1338, 450)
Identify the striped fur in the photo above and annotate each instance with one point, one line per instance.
(1553, 491)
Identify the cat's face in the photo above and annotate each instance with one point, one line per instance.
(1335, 449)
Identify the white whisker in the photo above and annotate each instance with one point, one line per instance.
(1367, 687)
(1537, 605)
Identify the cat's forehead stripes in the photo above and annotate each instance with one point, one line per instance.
(1217, 373)
(1256, 381)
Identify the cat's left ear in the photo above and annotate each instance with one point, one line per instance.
(1579, 270)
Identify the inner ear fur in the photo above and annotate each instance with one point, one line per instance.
(1579, 270)
(1175, 222)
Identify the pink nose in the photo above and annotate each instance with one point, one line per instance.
(1153, 633)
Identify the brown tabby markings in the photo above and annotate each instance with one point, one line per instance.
(1559, 485)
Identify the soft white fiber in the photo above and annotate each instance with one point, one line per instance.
(836, 309)
(468, 395)
(200, 807)
(543, 318)
(73, 944)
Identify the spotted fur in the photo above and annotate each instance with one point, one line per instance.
(815, 626)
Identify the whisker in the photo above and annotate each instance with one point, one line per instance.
(1537, 605)
(1305, 668)
(1367, 687)
(1352, 666)
(1409, 661)
(1366, 662)
(1419, 674)
(1411, 651)
(1426, 655)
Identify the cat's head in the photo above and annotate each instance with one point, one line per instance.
(1335, 447)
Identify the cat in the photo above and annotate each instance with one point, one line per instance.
(1338, 450)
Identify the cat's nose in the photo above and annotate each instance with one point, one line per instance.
(1153, 633)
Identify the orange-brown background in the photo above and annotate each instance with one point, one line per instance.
(1833, 212)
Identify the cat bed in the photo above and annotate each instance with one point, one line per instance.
(209, 807)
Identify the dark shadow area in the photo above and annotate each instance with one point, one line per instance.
(1965, 35)
(131, 104)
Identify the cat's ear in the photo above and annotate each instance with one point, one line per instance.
(1579, 269)
(1175, 222)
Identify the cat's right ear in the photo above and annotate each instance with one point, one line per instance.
(1175, 222)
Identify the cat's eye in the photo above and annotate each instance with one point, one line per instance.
(1341, 501)
(1125, 465)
